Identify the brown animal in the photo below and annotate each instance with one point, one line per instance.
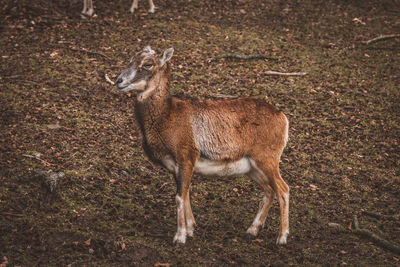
(88, 9)
(209, 137)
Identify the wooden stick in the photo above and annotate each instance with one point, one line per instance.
(381, 216)
(378, 240)
(236, 56)
(355, 222)
(382, 38)
(367, 233)
(89, 52)
(12, 77)
(286, 73)
(34, 157)
(223, 96)
(11, 214)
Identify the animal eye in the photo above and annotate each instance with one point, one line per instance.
(147, 66)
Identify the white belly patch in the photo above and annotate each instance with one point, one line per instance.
(220, 168)
(208, 167)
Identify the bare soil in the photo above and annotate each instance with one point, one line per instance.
(113, 207)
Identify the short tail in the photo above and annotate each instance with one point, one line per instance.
(286, 131)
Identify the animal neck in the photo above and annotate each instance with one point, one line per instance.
(153, 104)
(157, 89)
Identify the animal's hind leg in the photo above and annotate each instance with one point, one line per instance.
(283, 196)
(270, 168)
(265, 203)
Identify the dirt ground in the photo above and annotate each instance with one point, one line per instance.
(113, 207)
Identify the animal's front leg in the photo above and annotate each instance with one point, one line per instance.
(181, 232)
(185, 218)
(88, 9)
(189, 218)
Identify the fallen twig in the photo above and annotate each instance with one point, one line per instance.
(20, 80)
(223, 96)
(381, 216)
(11, 214)
(285, 73)
(256, 56)
(162, 186)
(12, 76)
(378, 240)
(355, 222)
(367, 233)
(37, 158)
(382, 38)
(89, 52)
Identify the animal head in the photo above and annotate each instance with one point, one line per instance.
(141, 69)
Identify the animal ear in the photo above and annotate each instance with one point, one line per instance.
(167, 55)
(147, 49)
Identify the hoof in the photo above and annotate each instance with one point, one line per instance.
(179, 239)
(282, 239)
(249, 236)
(281, 242)
(84, 16)
(190, 235)
(179, 245)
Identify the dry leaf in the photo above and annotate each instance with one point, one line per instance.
(54, 54)
(313, 187)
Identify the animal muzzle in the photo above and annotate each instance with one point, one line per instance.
(125, 79)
